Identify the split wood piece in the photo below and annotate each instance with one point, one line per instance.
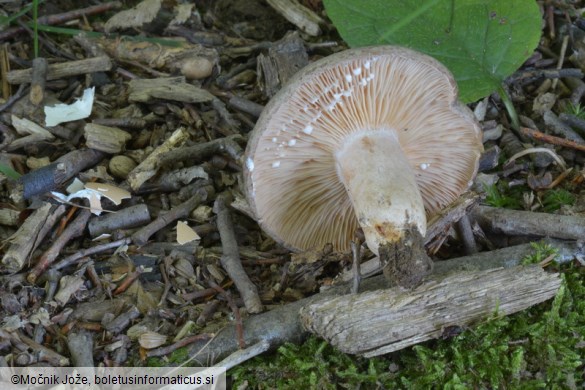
(30, 234)
(283, 324)
(230, 259)
(379, 322)
(181, 211)
(73, 230)
(128, 217)
(283, 60)
(54, 175)
(299, 15)
(24, 126)
(149, 166)
(9, 217)
(196, 153)
(39, 80)
(171, 88)
(51, 20)
(516, 222)
(106, 139)
(551, 139)
(64, 69)
(80, 345)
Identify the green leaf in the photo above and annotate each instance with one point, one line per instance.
(481, 41)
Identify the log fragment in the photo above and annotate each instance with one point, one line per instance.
(384, 321)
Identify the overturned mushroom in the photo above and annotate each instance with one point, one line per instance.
(370, 137)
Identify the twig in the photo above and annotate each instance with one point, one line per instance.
(466, 234)
(355, 266)
(551, 139)
(538, 150)
(516, 222)
(75, 229)
(22, 90)
(196, 153)
(181, 211)
(179, 344)
(123, 320)
(230, 260)
(63, 17)
(69, 260)
(235, 311)
(127, 282)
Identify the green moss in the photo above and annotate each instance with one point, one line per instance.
(503, 196)
(554, 199)
(543, 347)
(542, 251)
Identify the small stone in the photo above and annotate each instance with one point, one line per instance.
(121, 166)
(36, 163)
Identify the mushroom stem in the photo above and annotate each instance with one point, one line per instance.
(381, 185)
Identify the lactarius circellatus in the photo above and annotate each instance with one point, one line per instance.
(371, 137)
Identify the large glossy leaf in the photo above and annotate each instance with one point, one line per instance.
(481, 41)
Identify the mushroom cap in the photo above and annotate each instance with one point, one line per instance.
(290, 175)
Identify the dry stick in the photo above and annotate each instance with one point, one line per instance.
(50, 177)
(119, 323)
(122, 219)
(355, 266)
(242, 355)
(63, 70)
(551, 139)
(181, 211)
(515, 222)
(43, 353)
(72, 259)
(230, 259)
(64, 17)
(179, 344)
(196, 153)
(466, 235)
(75, 229)
(283, 324)
(39, 79)
(127, 282)
(232, 304)
(30, 234)
(22, 90)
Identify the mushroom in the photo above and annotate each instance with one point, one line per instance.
(371, 137)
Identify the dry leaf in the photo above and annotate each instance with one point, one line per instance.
(111, 192)
(141, 14)
(185, 234)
